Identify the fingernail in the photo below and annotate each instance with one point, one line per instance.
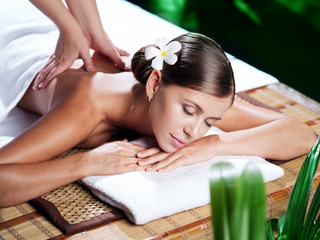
(148, 169)
(160, 170)
(140, 163)
(40, 85)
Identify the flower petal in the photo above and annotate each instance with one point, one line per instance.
(173, 47)
(161, 42)
(157, 63)
(151, 52)
(170, 58)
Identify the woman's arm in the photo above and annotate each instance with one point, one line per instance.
(73, 112)
(250, 130)
(21, 182)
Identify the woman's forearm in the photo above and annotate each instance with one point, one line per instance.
(271, 140)
(20, 182)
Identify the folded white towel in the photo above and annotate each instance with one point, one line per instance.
(146, 196)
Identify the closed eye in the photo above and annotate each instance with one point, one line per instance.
(208, 124)
(210, 121)
(188, 110)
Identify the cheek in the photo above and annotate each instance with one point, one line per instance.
(164, 115)
(164, 120)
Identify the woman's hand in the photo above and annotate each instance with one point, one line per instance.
(200, 150)
(113, 158)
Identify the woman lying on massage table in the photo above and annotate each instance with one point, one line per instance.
(176, 101)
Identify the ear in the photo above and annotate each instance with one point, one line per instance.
(153, 83)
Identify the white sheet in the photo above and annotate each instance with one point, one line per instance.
(28, 38)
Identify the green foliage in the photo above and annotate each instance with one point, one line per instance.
(237, 203)
(296, 224)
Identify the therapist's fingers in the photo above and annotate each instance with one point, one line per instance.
(87, 61)
(53, 69)
(42, 73)
(123, 52)
(115, 57)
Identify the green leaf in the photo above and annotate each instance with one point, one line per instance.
(299, 196)
(246, 9)
(221, 178)
(237, 203)
(269, 231)
(311, 224)
(254, 200)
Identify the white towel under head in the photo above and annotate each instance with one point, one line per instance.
(146, 196)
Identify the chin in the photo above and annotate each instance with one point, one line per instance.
(166, 146)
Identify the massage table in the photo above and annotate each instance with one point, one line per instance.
(74, 213)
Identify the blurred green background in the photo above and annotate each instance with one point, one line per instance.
(280, 37)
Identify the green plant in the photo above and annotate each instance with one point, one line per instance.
(237, 202)
(297, 223)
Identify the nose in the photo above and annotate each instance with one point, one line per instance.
(195, 129)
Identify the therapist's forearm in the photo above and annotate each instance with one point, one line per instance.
(57, 12)
(87, 15)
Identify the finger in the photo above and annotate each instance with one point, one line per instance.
(173, 165)
(87, 61)
(148, 152)
(117, 60)
(161, 165)
(55, 71)
(123, 52)
(153, 159)
(47, 73)
(136, 147)
(41, 75)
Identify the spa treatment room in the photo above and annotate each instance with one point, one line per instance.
(159, 119)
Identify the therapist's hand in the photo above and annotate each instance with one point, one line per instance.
(102, 44)
(74, 45)
(71, 45)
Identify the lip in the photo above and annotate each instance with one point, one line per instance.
(176, 142)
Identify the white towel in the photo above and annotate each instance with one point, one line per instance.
(146, 196)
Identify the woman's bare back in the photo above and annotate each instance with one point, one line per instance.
(107, 84)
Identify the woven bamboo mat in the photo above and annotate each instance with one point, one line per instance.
(76, 205)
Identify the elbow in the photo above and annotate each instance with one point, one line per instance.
(5, 199)
(306, 136)
(310, 138)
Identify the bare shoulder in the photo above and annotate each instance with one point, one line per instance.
(242, 115)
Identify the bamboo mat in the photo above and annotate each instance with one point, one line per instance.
(77, 206)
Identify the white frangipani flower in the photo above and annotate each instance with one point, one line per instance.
(165, 53)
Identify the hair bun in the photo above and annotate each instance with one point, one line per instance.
(140, 66)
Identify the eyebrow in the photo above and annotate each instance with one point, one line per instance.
(200, 109)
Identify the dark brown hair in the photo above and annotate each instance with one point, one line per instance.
(202, 65)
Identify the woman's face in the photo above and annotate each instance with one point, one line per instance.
(180, 115)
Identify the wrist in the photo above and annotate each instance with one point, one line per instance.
(215, 145)
(82, 167)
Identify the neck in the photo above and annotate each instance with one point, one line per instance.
(136, 114)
